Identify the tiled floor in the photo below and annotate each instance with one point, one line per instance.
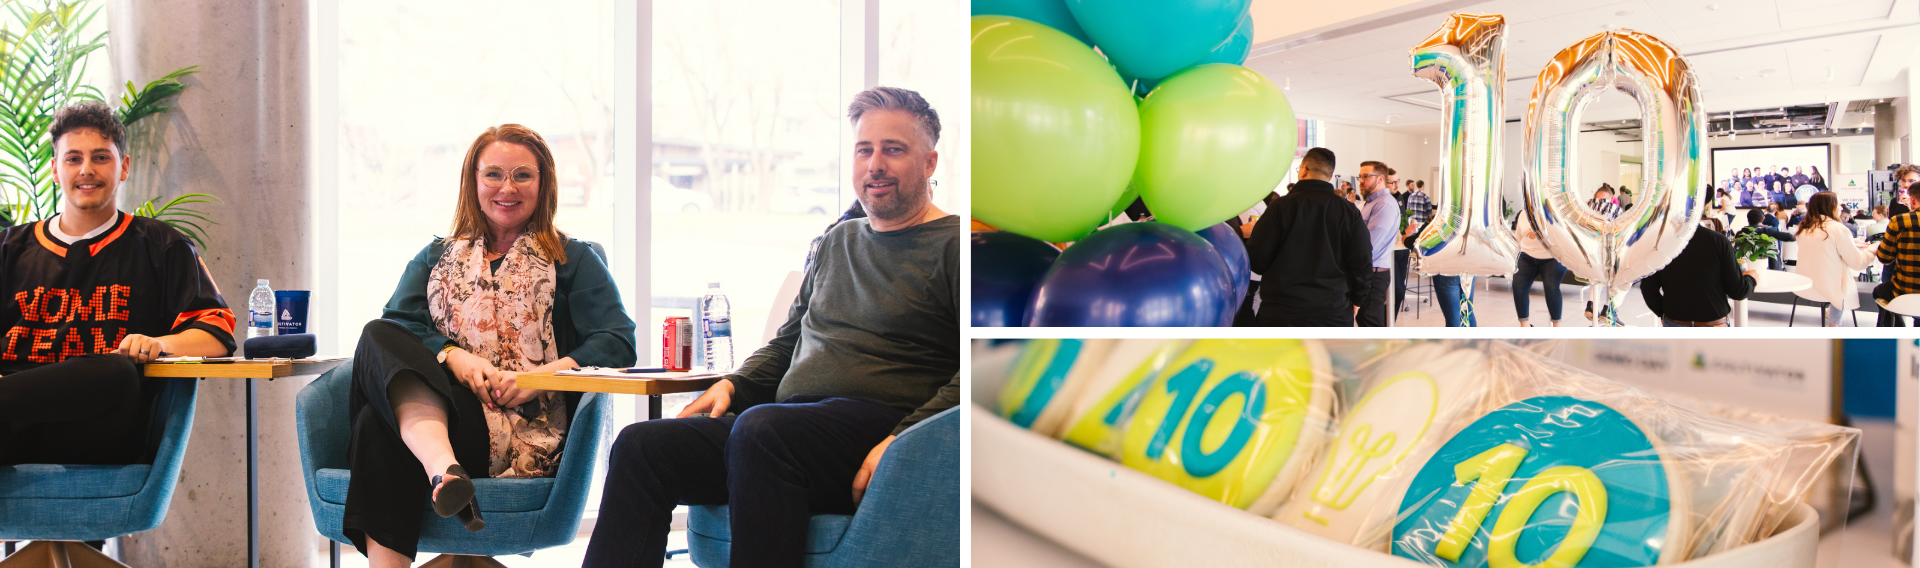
(568, 556)
(1493, 302)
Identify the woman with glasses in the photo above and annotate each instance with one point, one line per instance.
(434, 402)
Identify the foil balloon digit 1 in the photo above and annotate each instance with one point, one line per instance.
(1613, 252)
(1466, 57)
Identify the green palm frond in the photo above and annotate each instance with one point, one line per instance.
(179, 213)
(44, 54)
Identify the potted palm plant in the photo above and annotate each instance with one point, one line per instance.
(44, 51)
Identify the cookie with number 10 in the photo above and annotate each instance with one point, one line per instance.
(1228, 419)
(1550, 482)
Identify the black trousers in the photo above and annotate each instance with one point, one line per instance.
(1244, 316)
(1342, 318)
(91, 409)
(1401, 264)
(774, 465)
(389, 488)
(1373, 313)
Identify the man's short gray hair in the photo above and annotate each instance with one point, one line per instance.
(895, 98)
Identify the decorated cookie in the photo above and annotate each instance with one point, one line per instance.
(1405, 412)
(1550, 481)
(1100, 417)
(1226, 418)
(1045, 379)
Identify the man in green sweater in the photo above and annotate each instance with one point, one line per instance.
(870, 347)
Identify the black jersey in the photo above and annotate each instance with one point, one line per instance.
(141, 276)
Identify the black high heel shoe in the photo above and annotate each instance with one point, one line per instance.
(456, 496)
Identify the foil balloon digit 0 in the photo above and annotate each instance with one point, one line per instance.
(1468, 236)
(1615, 251)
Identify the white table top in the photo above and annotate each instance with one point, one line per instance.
(1773, 281)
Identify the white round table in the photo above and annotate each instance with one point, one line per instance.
(1770, 282)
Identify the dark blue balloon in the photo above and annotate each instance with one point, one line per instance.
(1135, 275)
(1006, 267)
(1050, 13)
(1234, 252)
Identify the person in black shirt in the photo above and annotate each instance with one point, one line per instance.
(1755, 218)
(1311, 252)
(96, 293)
(1692, 291)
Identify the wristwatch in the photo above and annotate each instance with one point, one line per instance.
(444, 351)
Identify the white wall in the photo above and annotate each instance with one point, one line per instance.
(1599, 153)
(1403, 152)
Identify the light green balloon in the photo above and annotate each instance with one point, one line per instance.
(1055, 132)
(1126, 200)
(1214, 139)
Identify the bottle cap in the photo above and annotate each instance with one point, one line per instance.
(709, 284)
(263, 281)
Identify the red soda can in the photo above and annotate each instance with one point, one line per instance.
(676, 344)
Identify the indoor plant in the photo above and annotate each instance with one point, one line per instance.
(42, 65)
(1752, 247)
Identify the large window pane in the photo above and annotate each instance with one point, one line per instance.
(747, 134)
(919, 50)
(420, 79)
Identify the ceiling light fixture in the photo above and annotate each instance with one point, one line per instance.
(1286, 84)
(1390, 118)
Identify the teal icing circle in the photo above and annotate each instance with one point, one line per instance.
(1555, 431)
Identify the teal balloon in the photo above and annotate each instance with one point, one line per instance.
(1050, 13)
(1235, 49)
(1151, 39)
(1056, 134)
(1214, 139)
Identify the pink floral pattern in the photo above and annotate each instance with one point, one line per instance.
(507, 319)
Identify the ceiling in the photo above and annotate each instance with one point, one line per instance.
(1747, 54)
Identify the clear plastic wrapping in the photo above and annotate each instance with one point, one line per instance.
(1405, 404)
(1449, 453)
(1570, 469)
(1235, 420)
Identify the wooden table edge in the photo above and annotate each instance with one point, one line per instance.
(611, 385)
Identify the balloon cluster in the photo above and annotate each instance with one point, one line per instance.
(1064, 145)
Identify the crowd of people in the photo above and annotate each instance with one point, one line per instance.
(1325, 255)
(1760, 187)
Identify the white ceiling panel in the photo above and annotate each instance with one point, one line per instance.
(1355, 78)
(1824, 13)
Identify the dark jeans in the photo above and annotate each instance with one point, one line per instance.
(1373, 313)
(775, 465)
(1446, 292)
(90, 409)
(1549, 272)
(1401, 265)
(1244, 317)
(1342, 318)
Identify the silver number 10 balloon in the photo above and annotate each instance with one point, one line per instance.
(1468, 235)
(1613, 252)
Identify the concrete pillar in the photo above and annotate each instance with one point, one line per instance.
(1886, 136)
(239, 132)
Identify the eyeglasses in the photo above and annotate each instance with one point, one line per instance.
(1368, 176)
(497, 177)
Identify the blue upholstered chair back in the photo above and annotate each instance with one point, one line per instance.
(910, 515)
(523, 515)
(98, 502)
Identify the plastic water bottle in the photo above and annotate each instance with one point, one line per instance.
(716, 331)
(260, 311)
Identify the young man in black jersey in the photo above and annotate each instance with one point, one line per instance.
(89, 295)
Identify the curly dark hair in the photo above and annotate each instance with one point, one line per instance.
(90, 114)
(895, 98)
